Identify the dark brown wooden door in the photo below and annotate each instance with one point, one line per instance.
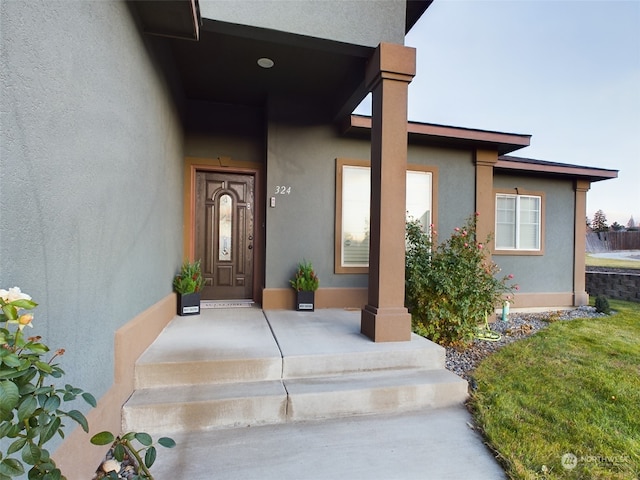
(224, 234)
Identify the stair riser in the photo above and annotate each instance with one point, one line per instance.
(326, 365)
(185, 417)
(237, 412)
(198, 373)
(375, 401)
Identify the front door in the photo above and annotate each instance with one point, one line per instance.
(224, 235)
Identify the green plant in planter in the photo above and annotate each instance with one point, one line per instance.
(189, 280)
(305, 278)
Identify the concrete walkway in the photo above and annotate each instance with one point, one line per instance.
(427, 443)
(433, 444)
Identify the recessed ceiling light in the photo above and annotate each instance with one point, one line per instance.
(265, 62)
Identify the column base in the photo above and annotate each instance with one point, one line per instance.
(580, 299)
(386, 324)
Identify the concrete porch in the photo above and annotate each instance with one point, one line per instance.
(322, 401)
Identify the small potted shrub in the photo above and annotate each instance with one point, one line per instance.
(187, 285)
(305, 282)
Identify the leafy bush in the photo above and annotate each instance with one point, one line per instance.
(451, 287)
(602, 305)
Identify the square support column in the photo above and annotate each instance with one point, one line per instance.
(580, 296)
(389, 72)
(485, 160)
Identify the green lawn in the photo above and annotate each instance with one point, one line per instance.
(573, 388)
(611, 262)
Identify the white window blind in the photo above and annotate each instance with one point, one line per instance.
(518, 222)
(356, 189)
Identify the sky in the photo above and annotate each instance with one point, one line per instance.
(566, 72)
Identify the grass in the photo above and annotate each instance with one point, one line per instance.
(573, 388)
(611, 262)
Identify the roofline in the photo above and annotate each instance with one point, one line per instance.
(414, 9)
(452, 136)
(593, 174)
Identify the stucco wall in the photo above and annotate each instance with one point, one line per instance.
(215, 130)
(90, 176)
(302, 224)
(456, 184)
(553, 271)
(358, 22)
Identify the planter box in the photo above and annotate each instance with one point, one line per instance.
(189, 304)
(305, 301)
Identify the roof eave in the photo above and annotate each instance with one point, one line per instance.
(591, 174)
(457, 137)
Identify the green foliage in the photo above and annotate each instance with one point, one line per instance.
(599, 223)
(31, 412)
(570, 388)
(305, 279)
(451, 287)
(124, 444)
(189, 280)
(602, 305)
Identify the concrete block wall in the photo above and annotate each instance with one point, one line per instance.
(621, 286)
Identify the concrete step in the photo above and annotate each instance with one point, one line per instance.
(373, 392)
(203, 407)
(165, 374)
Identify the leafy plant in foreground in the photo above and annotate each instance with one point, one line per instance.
(30, 405)
(123, 446)
(451, 287)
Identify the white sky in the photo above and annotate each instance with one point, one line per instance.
(566, 72)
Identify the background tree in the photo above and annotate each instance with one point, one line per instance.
(616, 227)
(599, 223)
(631, 223)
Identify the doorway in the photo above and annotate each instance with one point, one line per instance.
(225, 234)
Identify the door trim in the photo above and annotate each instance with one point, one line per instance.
(226, 165)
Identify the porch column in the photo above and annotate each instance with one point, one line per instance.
(580, 296)
(389, 72)
(485, 199)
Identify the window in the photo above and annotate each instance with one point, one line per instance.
(518, 222)
(353, 191)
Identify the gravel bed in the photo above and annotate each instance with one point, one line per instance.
(518, 326)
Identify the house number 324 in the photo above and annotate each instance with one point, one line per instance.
(283, 190)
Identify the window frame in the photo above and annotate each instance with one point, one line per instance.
(342, 162)
(518, 194)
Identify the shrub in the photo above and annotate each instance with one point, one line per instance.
(451, 287)
(602, 305)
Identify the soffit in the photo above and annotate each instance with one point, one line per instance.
(222, 67)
